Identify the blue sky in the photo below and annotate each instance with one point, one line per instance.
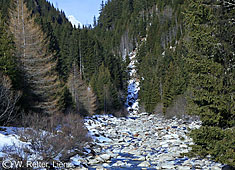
(82, 10)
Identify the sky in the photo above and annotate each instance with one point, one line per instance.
(82, 10)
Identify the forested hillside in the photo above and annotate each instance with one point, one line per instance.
(68, 47)
(185, 64)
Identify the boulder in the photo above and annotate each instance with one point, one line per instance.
(184, 168)
(227, 167)
(94, 161)
(105, 157)
(118, 164)
(168, 166)
(144, 164)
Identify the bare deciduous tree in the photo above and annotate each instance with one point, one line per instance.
(35, 61)
(8, 99)
(83, 96)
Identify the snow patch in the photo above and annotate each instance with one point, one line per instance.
(132, 101)
(74, 21)
(133, 84)
(9, 138)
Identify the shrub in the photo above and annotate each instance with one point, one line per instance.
(58, 136)
(158, 109)
(121, 113)
(15, 153)
(177, 108)
(8, 100)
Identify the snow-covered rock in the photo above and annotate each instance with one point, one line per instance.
(119, 164)
(105, 157)
(168, 166)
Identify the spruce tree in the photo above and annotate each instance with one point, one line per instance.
(212, 95)
(106, 92)
(7, 58)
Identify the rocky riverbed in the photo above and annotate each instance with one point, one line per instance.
(141, 141)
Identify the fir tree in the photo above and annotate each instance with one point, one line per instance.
(7, 58)
(105, 90)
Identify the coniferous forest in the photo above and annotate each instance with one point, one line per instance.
(54, 75)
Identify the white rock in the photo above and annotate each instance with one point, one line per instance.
(142, 158)
(168, 137)
(126, 164)
(168, 166)
(184, 146)
(106, 165)
(187, 162)
(116, 150)
(165, 158)
(216, 168)
(144, 164)
(134, 152)
(185, 151)
(93, 161)
(100, 168)
(125, 150)
(184, 168)
(105, 157)
(165, 145)
(118, 163)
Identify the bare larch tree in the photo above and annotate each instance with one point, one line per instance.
(35, 61)
(83, 97)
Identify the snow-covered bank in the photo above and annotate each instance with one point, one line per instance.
(20, 149)
(8, 138)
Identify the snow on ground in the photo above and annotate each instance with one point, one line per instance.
(10, 140)
(8, 137)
